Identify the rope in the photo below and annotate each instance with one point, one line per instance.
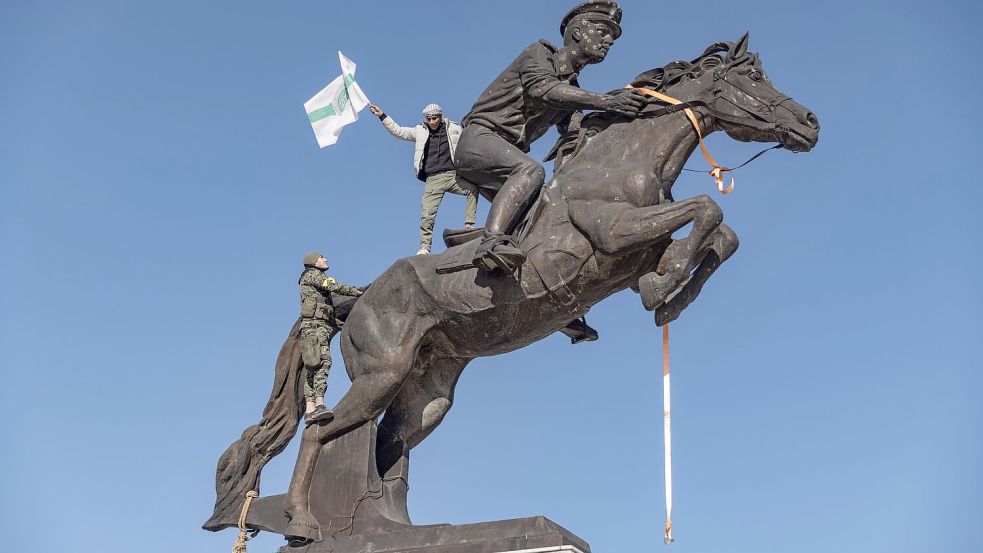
(667, 434)
(245, 534)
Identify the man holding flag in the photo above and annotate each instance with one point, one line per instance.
(433, 162)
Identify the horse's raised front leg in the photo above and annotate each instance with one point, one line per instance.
(719, 247)
(617, 228)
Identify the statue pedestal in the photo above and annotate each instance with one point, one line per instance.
(360, 511)
(537, 534)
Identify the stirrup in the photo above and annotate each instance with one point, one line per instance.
(499, 251)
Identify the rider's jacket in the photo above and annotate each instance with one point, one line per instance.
(512, 105)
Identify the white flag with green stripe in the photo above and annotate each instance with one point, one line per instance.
(336, 105)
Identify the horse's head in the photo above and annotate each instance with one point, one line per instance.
(729, 82)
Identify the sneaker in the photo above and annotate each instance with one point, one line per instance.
(423, 251)
(319, 414)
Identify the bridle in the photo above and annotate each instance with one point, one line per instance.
(720, 77)
(767, 123)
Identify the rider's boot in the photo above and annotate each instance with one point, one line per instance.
(498, 251)
(579, 331)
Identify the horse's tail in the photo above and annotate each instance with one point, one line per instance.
(240, 466)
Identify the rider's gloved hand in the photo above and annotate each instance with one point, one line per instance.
(627, 102)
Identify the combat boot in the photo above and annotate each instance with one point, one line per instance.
(319, 414)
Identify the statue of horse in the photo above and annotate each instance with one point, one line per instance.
(601, 225)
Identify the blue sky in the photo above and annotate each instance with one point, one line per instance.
(159, 183)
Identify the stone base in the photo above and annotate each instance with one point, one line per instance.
(361, 511)
(533, 534)
(348, 496)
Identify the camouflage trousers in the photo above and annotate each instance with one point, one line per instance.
(315, 339)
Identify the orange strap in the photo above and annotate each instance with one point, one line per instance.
(717, 171)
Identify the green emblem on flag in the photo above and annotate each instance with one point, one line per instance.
(341, 100)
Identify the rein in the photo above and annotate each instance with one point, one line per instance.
(752, 158)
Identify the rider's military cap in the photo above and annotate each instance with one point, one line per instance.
(310, 259)
(595, 10)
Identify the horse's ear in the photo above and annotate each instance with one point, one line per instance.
(740, 48)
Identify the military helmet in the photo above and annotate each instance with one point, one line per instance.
(310, 259)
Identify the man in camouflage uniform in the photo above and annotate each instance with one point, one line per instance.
(318, 325)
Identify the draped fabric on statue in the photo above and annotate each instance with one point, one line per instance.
(240, 466)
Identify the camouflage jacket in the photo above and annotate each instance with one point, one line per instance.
(315, 295)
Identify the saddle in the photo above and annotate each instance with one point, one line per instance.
(456, 237)
(463, 244)
(461, 247)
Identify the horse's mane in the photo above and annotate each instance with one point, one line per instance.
(673, 73)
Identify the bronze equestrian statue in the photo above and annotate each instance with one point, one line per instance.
(601, 225)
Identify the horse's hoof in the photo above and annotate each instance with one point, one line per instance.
(665, 315)
(652, 289)
(303, 527)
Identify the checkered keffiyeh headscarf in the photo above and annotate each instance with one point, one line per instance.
(432, 109)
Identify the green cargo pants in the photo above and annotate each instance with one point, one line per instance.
(433, 192)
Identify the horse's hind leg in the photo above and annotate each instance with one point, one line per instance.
(720, 246)
(416, 411)
(378, 368)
